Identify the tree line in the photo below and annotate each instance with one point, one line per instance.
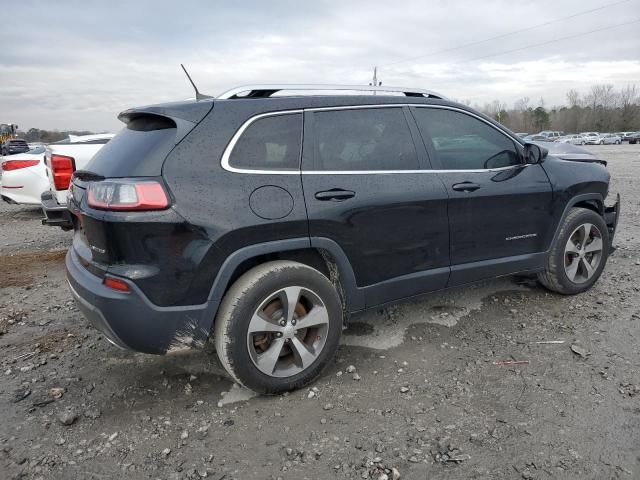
(48, 136)
(601, 109)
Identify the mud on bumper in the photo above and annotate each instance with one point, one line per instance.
(129, 320)
(611, 217)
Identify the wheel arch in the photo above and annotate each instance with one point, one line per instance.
(322, 254)
(590, 201)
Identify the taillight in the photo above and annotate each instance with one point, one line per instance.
(116, 284)
(62, 168)
(127, 195)
(18, 164)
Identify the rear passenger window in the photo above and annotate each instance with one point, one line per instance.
(463, 142)
(270, 143)
(366, 139)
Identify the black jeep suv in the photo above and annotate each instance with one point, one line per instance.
(264, 220)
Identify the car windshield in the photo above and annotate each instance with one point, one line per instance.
(37, 150)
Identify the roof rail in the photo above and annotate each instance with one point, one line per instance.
(266, 91)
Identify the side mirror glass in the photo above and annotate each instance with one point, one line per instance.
(533, 153)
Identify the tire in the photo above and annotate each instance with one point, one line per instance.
(262, 289)
(556, 276)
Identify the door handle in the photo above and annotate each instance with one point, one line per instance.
(335, 194)
(466, 187)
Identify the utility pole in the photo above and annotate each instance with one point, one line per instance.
(374, 81)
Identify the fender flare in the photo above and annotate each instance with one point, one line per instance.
(354, 296)
(570, 204)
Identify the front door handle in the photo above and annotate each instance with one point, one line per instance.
(335, 194)
(466, 187)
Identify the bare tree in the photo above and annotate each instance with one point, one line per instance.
(629, 105)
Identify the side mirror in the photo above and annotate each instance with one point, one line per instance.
(534, 153)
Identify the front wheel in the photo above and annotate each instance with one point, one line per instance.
(278, 326)
(578, 255)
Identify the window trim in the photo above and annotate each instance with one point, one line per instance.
(226, 155)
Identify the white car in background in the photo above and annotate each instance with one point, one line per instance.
(591, 138)
(573, 139)
(24, 177)
(62, 159)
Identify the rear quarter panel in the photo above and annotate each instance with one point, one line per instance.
(217, 202)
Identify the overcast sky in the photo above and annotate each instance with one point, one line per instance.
(75, 65)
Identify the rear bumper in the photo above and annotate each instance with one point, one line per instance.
(55, 215)
(130, 320)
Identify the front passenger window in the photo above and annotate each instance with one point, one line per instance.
(463, 142)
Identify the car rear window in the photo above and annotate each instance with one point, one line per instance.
(139, 149)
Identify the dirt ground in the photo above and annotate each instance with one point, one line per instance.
(415, 387)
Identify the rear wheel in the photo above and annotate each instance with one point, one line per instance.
(579, 254)
(278, 326)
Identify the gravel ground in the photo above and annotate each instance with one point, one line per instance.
(414, 392)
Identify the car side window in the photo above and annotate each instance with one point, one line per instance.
(463, 142)
(367, 139)
(270, 143)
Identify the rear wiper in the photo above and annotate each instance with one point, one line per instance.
(87, 176)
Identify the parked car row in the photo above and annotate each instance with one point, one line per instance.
(584, 138)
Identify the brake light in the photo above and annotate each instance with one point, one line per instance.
(18, 164)
(116, 284)
(62, 168)
(127, 195)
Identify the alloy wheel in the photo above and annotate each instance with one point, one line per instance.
(287, 332)
(583, 253)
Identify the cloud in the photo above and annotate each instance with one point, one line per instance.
(77, 64)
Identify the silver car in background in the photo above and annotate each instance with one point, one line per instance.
(610, 139)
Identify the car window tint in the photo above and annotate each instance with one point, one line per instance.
(271, 143)
(364, 139)
(463, 142)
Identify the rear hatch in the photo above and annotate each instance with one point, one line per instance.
(122, 209)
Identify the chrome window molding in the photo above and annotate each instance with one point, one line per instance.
(234, 140)
(446, 107)
(236, 136)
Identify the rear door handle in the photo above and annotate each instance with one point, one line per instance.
(466, 187)
(335, 194)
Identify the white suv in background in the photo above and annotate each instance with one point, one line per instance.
(552, 135)
(591, 138)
